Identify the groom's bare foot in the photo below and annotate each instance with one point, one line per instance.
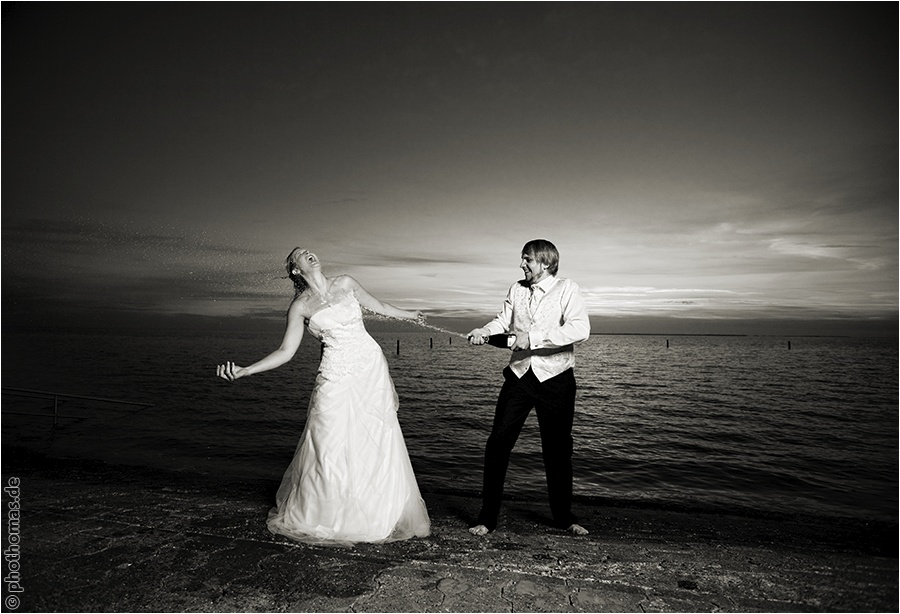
(577, 529)
(479, 530)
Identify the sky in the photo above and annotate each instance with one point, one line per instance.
(700, 167)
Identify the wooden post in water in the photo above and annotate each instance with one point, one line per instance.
(789, 344)
(667, 344)
(431, 342)
(398, 347)
(451, 340)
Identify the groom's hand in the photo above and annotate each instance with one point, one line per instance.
(477, 337)
(522, 341)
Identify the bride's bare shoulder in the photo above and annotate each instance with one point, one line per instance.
(344, 282)
(300, 308)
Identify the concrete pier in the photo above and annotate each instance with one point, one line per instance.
(98, 537)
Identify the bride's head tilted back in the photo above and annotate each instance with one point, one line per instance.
(293, 270)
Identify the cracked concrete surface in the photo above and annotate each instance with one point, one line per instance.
(111, 538)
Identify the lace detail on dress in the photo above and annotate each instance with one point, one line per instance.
(348, 347)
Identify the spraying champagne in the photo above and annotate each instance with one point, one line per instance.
(420, 321)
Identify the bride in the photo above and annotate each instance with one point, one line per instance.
(350, 479)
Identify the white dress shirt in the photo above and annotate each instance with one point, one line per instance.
(555, 319)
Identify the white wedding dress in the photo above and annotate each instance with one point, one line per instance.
(350, 479)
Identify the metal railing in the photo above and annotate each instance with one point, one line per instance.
(57, 396)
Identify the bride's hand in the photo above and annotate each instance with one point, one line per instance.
(230, 371)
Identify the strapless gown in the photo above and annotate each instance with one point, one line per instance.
(350, 479)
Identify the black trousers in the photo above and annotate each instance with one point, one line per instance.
(554, 402)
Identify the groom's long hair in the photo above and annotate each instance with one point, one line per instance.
(544, 252)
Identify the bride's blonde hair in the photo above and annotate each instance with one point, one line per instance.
(294, 273)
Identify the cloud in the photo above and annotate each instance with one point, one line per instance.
(103, 266)
(688, 161)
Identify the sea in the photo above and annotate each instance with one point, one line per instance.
(724, 424)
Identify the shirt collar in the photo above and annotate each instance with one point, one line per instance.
(545, 284)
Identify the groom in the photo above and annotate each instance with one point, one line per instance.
(547, 316)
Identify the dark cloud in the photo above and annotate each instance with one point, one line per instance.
(165, 157)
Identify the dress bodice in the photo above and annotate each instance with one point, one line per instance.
(341, 317)
(347, 345)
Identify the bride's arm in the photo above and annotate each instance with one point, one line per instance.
(373, 304)
(293, 334)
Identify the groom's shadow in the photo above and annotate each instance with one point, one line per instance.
(457, 507)
(464, 509)
(525, 515)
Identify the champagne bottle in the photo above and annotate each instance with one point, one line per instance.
(501, 340)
